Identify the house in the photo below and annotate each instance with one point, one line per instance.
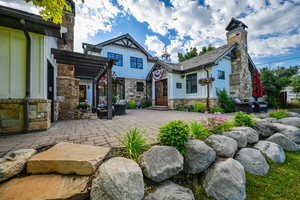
(132, 66)
(228, 67)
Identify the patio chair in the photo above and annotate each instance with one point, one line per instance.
(247, 107)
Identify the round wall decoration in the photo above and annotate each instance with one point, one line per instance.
(158, 74)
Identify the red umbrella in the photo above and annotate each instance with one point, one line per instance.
(257, 88)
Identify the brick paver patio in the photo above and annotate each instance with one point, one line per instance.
(96, 131)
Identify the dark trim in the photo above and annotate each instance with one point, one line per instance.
(28, 80)
(109, 89)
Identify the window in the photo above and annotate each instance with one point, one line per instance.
(221, 74)
(178, 85)
(139, 86)
(191, 83)
(136, 63)
(117, 57)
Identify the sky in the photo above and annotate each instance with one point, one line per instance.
(273, 33)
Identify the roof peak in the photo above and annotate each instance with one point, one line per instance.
(234, 23)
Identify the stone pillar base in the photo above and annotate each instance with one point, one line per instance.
(174, 103)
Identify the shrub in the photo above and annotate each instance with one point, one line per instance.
(216, 109)
(243, 119)
(279, 114)
(131, 105)
(180, 108)
(83, 106)
(217, 124)
(191, 108)
(199, 107)
(225, 101)
(198, 130)
(174, 133)
(134, 142)
(146, 104)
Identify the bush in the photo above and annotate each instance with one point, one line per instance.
(279, 114)
(83, 106)
(225, 102)
(174, 133)
(198, 130)
(217, 124)
(134, 142)
(131, 105)
(243, 119)
(191, 108)
(199, 107)
(146, 104)
(216, 109)
(180, 108)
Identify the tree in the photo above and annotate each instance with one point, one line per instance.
(52, 10)
(296, 83)
(193, 52)
(274, 80)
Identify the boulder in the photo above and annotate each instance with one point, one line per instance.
(225, 180)
(199, 156)
(239, 136)
(172, 191)
(292, 121)
(14, 162)
(264, 129)
(293, 114)
(252, 135)
(270, 119)
(253, 161)
(68, 158)
(292, 132)
(223, 145)
(45, 187)
(161, 162)
(272, 150)
(118, 179)
(284, 142)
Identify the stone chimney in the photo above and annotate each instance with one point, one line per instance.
(240, 79)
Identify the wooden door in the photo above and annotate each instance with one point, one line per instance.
(161, 93)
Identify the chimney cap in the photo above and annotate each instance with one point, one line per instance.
(234, 23)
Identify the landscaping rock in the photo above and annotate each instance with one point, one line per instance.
(293, 114)
(253, 161)
(284, 142)
(292, 132)
(225, 180)
(270, 119)
(264, 129)
(171, 191)
(68, 158)
(252, 135)
(199, 156)
(161, 162)
(272, 150)
(292, 121)
(45, 187)
(118, 179)
(239, 136)
(14, 162)
(223, 145)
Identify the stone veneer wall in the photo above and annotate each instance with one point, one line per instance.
(174, 103)
(130, 90)
(12, 115)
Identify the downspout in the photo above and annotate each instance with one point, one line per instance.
(208, 96)
(28, 77)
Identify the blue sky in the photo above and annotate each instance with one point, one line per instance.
(273, 34)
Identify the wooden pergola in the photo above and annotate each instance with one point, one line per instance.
(89, 67)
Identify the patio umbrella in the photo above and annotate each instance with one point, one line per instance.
(258, 90)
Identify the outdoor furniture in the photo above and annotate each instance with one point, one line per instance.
(120, 109)
(246, 107)
(102, 112)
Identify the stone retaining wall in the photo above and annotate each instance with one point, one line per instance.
(174, 103)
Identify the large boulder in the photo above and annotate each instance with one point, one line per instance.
(270, 119)
(225, 180)
(199, 156)
(45, 187)
(293, 114)
(264, 129)
(161, 162)
(253, 161)
(118, 179)
(272, 150)
(14, 162)
(252, 135)
(171, 191)
(68, 158)
(239, 136)
(293, 121)
(284, 142)
(292, 132)
(224, 146)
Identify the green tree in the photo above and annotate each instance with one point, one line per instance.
(192, 52)
(52, 10)
(274, 80)
(296, 83)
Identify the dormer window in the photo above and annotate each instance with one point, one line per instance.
(136, 63)
(117, 57)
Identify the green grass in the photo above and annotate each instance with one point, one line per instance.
(281, 183)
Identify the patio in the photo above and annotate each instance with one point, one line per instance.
(95, 131)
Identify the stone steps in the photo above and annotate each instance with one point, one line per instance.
(160, 108)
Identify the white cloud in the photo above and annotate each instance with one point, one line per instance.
(20, 5)
(154, 44)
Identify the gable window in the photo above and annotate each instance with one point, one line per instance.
(136, 63)
(221, 74)
(117, 57)
(178, 85)
(191, 83)
(139, 86)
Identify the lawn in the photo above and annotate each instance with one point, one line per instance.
(281, 183)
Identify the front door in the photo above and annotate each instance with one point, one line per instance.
(50, 86)
(161, 92)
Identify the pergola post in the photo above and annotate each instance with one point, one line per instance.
(109, 89)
